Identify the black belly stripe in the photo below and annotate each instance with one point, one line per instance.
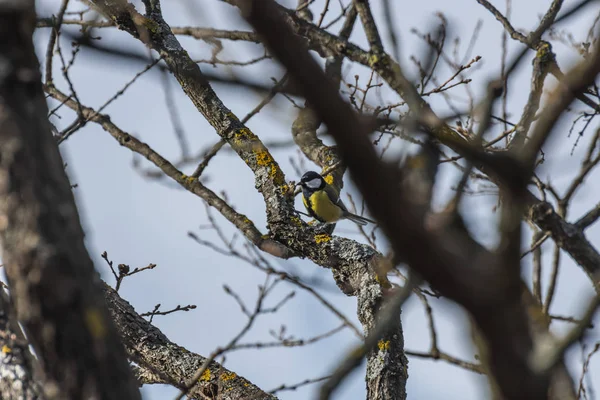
(309, 208)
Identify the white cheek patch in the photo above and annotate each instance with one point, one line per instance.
(314, 183)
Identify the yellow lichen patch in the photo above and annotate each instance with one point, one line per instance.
(95, 323)
(296, 220)
(544, 50)
(243, 134)
(264, 159)
(285, 188)
(246, 220)
(206, 375)
(322, 238)
(227, 376)
(6, 349)
(276, 174)
(187, 180)
(148, 23)
(329, 179)
(383, 345)
(373, 59)
(246, 384)
(232, 116)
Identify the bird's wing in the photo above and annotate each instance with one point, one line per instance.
(335, 197)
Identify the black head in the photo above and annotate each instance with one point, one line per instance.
(312, 180)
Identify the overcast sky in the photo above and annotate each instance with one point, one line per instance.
(140, 221)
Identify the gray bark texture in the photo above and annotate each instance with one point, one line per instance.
(163, 361)
(16, 377)
(439, 248)
(53, 285)
(354, 265)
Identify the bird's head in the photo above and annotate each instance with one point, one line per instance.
(311, 180)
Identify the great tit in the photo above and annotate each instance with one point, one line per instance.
(322, 201)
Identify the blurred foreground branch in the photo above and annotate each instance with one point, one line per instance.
(54, 288)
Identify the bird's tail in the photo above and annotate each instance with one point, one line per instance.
(358, 219)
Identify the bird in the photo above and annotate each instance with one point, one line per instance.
(322, 201)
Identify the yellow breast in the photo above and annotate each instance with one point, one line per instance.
(323, 207)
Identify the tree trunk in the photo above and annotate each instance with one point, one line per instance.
(55, 290)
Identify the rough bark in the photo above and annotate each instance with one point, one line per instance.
(51, 277)
(163, 361)
(326, 43)
(351, 263)
(570, 238)
(354, 265)
(442, 252)
(16, 372)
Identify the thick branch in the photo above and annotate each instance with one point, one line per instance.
(569, 237)
(304, 128)
(239, 220)
(353, 264)
(324, 42)
(17, 378)
(543, 58)
(51, 277)
(445, 256)
(166, 362)
(192, 31)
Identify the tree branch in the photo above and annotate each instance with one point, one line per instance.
(17, 377)
(353, 264)
(492, 295)
(165, 361)
(51, 277)
(322, 41)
